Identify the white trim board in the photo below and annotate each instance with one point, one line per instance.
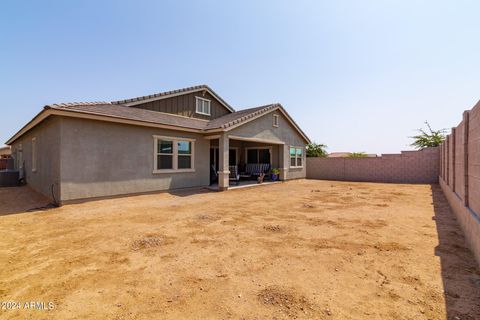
(197, 99)
(248, 139)
(303, 157)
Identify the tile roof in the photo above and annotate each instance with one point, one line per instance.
(122, 112)
(168, 93)
(234, 118)
(339, 154)
(118, 110)
(128, 113)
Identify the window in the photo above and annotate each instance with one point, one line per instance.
(20, 157)
(164, 154)
(203, 106)
(34, 154)
(173, 154)
(275, 120)
(296, 157)
(184, 154)
(258, 155)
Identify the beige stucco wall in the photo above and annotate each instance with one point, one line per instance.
(104, 159)
(84, 158)
(262, 128)
(47, 176)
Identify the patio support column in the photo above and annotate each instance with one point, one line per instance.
(223, 152)
(282, 161)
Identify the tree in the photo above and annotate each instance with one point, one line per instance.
(425, 139)
(316, 150)
(358, 155)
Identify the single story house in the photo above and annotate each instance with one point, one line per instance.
(164, 141)
(5, 152)
(348, 154)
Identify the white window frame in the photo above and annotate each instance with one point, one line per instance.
(200, 104)
(275, 120)
(258, 155)
(296, 157)
(34, 154)
(174, 154)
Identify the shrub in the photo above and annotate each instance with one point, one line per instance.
(316, 150)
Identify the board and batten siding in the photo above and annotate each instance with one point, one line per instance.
(185, 105)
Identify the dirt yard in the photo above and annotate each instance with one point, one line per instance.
(303, 249)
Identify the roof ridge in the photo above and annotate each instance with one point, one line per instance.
(261, 109)
(176, 91)
(160, 94)
(152, 112)
(73, 104)
(240, 116)
(146, 97)
(262, 106)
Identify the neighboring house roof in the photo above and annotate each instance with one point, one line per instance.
(169, 94)
(117, 112)
(347, 154)
(5, 151)
(339, 154)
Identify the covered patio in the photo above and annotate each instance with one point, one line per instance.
(238, 162)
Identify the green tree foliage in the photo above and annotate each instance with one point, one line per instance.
(432, 138)
(358, 155)
(316, 150)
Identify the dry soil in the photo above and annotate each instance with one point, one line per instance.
(303, 249)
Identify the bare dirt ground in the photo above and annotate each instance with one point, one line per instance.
(303, 249)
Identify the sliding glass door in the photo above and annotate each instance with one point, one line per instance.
(258, 155)
(215, 158)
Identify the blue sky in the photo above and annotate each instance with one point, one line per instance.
(356, 75)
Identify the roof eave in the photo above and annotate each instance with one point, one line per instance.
(277, 107)
(49, 111)
(32, 123)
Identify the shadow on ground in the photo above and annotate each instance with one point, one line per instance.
(460, 273)
(14, 200)
(20, 199)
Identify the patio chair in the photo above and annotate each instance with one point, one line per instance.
(234, 175)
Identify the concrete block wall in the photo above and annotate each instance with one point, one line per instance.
(460, 175)
(407, 167)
